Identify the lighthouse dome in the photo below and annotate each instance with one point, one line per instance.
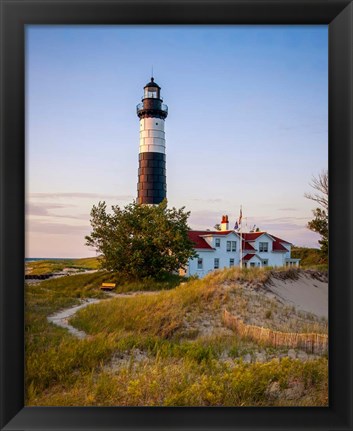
(152, 84)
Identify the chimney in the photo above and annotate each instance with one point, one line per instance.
(225, 223)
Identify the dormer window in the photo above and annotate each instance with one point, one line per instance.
(263, 247)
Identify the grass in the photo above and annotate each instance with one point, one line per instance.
(183, 382)
(179, 365)
(57, 265)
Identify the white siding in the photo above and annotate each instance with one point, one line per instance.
(221, 253)
(289, 248)
(274, 258)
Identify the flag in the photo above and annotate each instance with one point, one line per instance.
(241, 216)
(236, 226)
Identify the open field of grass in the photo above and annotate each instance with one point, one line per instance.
(168, 348)
(56, 265)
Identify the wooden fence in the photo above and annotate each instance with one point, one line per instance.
(310, 342)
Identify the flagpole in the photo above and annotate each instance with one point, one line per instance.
(241, 241)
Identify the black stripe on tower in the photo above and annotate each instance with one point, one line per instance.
(152, 184)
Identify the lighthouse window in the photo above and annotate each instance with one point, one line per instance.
(156, 124)
(218, 242)
(199, 263)
(216, 263)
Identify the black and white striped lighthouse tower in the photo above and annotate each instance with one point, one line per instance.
(152, 185)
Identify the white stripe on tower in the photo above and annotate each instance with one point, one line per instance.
(152, 135)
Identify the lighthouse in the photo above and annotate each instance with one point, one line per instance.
(152, 185)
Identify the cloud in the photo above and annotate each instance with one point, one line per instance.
(79, 195)
(280, 226)
(43, 209)
(39, 209)
(288, 209)
(216, 200)
(38, 226)
(279, 219)
(204, 219)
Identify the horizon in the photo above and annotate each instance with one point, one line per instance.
(247, 125)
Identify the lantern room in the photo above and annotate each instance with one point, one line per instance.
(152, 90)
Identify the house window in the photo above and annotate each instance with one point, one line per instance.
(218, 242)
(231, 246)
(265, 262)
(199, 263)
(216, 263)
(231, 262)
(263, 247)
(252, 264)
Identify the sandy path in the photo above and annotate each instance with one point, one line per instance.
(305, 294)
(61, 318)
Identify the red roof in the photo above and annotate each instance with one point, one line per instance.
(251, 236)
(199, 242)
(248, 256)
(196, 237)
(277, 246)
(281, 240)
(247, 246)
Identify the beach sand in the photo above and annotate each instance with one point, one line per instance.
(305, 294)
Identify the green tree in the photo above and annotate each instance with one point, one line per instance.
(141, 240)
(319, 224)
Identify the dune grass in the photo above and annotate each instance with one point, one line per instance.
(178, 366)
(175, 382)
(158, 314)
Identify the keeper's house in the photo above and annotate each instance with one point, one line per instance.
(221, 249)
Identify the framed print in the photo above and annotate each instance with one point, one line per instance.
(174, 260)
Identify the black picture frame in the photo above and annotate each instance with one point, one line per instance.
(15, 15)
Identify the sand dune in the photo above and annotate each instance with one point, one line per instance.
(305, 294)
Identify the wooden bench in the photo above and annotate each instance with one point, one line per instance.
(108, 286)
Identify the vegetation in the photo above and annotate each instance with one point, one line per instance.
(141, 240)
(165, 348)
(319, 224)
(310, 257)
(57, 265)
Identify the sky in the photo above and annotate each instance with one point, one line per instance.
(247, 125)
